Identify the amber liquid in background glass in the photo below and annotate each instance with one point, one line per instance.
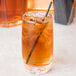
(75, 4)
(11, 12)
(39, 5)
(43, 51)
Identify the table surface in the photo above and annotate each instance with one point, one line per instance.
(64, 59)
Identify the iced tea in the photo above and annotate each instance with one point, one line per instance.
(37, 36)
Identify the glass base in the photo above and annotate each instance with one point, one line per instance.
(38, 69)
(11, 24)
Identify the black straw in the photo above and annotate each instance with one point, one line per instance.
(48, 9)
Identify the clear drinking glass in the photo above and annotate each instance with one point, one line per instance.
(37, 41)
(11, 12)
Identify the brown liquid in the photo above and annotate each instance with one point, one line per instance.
(74, 4)
(39, 4)
(11, 11)
(43, 51)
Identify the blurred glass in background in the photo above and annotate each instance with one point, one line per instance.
(39, 5)
(11, 12)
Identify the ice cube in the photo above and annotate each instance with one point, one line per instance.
(40, 20)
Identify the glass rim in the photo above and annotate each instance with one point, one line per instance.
(25, 14)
